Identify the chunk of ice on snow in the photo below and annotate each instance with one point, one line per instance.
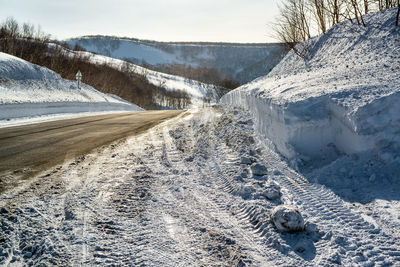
(258, 169)
(287, 219)
(272, 191)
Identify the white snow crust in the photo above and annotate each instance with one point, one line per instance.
(340, 99)
(28, 90)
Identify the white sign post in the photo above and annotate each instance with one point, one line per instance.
(78, 77)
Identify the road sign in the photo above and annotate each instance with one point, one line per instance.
(78, 77)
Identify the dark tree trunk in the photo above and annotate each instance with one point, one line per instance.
(366, 10)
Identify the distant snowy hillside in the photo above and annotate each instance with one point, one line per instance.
(27, 90)
(243, 62)
(341, 99)
(197, 91)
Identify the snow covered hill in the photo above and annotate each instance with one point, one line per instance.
(340, 99)
(197, 91)
(243, 62)
(28, 90)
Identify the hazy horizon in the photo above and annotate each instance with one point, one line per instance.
(229, 21)
(171, 42)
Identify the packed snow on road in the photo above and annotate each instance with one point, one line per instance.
(298, 168)
(198, 189)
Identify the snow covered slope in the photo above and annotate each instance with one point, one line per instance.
(197, 91)
(341, 99)
(29, 90)
(244, 62)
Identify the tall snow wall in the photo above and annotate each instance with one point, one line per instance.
(332, 130)
(341, 99)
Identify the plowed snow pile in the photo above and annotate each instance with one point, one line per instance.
(28, 90)
(340, 99)
(334, 115)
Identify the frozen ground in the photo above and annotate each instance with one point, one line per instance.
(195, 190)
(28, 90)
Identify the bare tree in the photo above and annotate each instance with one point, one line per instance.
(293, 25)
(334, 9)
(319, 10)
(28, 30)
(366, 6)
(297, 17)
(41, 35)
(11, 25)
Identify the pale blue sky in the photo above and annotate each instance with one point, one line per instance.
(161, 20)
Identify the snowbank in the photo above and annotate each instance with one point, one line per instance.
(24, 110)
(340, 99)
(30, 90)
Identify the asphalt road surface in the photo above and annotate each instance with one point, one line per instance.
(29, 149)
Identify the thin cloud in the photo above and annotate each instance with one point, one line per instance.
(174, 20)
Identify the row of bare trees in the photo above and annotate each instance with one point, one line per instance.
(201, 74)
(32, 44)
(300, 19)
(162, 98)
(13, 37)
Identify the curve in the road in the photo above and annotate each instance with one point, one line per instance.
(29, 149)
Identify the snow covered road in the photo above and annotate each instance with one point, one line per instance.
(26, 150)
(188, 192)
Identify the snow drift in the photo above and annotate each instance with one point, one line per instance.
(340, 99)
(30, 90)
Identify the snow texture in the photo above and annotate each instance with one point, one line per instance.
(340, 99)
(334, 116)
(28, 90)
(184, 193)
(272, 190)
(258, 169)
(172, 197)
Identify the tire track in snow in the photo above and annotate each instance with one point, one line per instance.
(369, 242)
(355, 239)
(172, 197)
(175, 158)
(218, 205)
(255, 220)
(328, 209)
